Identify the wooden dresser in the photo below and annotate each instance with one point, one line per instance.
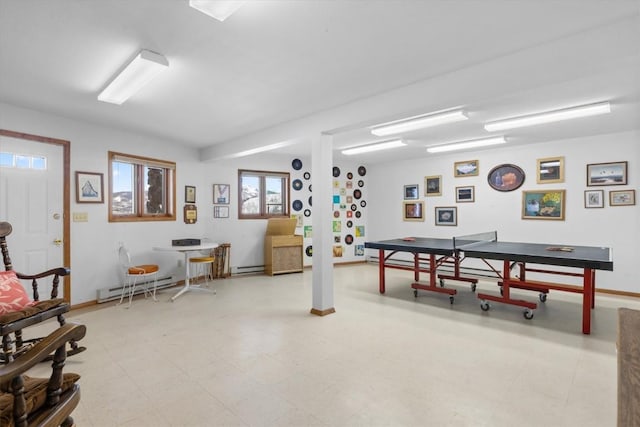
(628, 367)
(282, 248)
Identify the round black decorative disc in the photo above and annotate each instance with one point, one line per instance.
(362, 171)
(310, 204)
(358, 214)
(354, 207)
(307, 212)
(296, 184)
(349, 224)
(348, 239)
(349, 175)
(309, 250)
(363, 203)
(336, 171)
(309, 187)
(307, 175)
(297, 205)
(361, 183)
(357, 194)
(296, 164)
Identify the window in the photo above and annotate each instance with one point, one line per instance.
(21, 161)
(262, 194)
(141, 189)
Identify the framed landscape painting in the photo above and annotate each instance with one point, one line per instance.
(465, 168)
(607, 174)
(465, 194)
(550, 170)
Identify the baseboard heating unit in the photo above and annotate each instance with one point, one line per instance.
(110, 294)
(250, 269)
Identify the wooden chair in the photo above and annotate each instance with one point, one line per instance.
(26, 401)
(12, 323)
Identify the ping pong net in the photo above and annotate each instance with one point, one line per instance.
(465, 242)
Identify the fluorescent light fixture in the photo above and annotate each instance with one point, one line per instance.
(140, 71)
(467, 144)
(419, 122)
(373, 147)
(219, 9)
(259, 149)
(550, 116)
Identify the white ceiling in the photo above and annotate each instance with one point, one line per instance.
(277, 61)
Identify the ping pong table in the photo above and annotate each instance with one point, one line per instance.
(485, 246)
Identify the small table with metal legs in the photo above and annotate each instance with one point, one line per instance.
(186, 250)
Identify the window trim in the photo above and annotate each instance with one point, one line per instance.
(140, 162)
(263, 212)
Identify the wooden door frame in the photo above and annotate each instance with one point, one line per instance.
(66, 198)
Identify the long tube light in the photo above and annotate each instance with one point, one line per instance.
(140, 71)
(467, 144)
(374, 147)
(419, 122)
(550, 116)
(218, 9)
(259, 150)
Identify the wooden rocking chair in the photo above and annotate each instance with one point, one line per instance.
(13, 322)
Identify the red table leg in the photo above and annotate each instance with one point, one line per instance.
(381, 270)
(587, 300)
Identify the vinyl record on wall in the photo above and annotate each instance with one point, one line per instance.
(349, 175)
(349, 224)
(297, 205)
(358, 214)
(357, 194)
(296, 164)
(363, 203)
(296, 184)
(354, 207)
(310, 204)
(348, 239)
(307, 212)
(309, 251)
(336, 171)
(309, 187)
(307, 175)
(362, 171)
(360, 183)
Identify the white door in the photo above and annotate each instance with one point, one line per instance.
(31, 183)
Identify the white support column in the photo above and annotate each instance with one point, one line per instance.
(322, 178)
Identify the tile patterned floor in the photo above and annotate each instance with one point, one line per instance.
(252, 355)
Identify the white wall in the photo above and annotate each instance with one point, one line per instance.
(615, 227)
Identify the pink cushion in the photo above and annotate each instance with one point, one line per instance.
(13, 297)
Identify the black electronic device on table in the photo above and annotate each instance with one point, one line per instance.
(185, 242)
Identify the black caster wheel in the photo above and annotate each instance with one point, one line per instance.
(501, 291)
(528, 314)
(473, 287)
(543, 297)
(415, 293)
(484, 306)
(441, 283)
(451, 299)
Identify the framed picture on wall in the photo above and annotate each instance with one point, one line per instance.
(223, 212)
(607, 174)
(89, 187)
(622, 198)
(446, 215)
(465, 194)
(543, 204)
(221, 194)
(550, 170)
(413, 211)
(465, 168)
(411, 192)
(433, 185)
(505, 177)
(594, 199)
(189, 194)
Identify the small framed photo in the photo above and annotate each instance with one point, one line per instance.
(465, 168)
(466, 194)
(622, 198)
(413, 211)
(543, 204)
(221, 193)
(594, 199)
(89, 187)
(550, 170)
(446, 215)
(189, 194)
(222, 212)
(411, 192)
(607, 174)
(433, 185)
